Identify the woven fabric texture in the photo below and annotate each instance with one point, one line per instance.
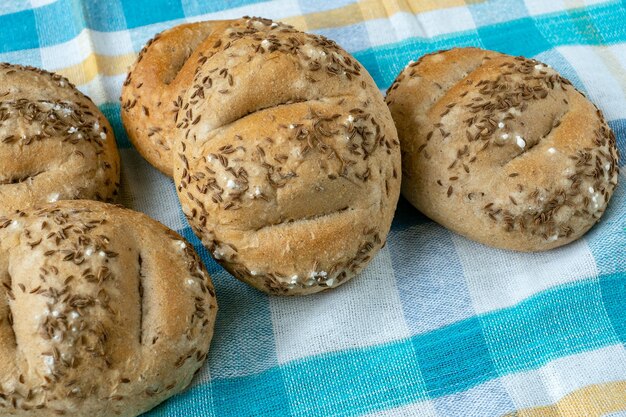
(437, 325)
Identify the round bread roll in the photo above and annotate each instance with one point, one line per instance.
(287, 161)
(55, 144)
(104, 311)
(502, 149)
(149, 113)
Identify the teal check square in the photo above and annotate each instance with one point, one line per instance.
(139, 13)
(355, 381)
(517, 37)
(253, 395)
(613, 295)
(104, 16)
(19, 31)
(558, 322)
(59, 22)
(197, 7)
(454, 358)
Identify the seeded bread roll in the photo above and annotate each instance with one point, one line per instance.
(502, 149)
(55, 144)
(148, 111)
(103, 312)
(287, 161)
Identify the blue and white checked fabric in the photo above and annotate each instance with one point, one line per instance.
(437, 325)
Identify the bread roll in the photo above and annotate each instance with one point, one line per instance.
(502, 149)
(148, 112)
(55, 144)
(104, 312)
(286, 158)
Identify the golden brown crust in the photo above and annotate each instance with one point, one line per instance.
(502, 149)
(55, 144)
(162, 72)
(287, 160)
(103, 311)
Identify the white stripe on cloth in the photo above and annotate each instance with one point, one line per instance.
(77, 49)
(363, 312)
(402, 25)
(40, 3)
(510, 277)
(145, 189)
(553, 381)
(600, 82)
(538, 7)
(102, 89)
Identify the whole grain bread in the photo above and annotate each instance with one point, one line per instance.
(103, 311)
(157, 76)
(286, 159)
(502, 149)
(55, 144)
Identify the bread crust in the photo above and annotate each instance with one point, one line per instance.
(55, 144)
(287, 162)
(104, 312)
(160, 75)
(502, 149)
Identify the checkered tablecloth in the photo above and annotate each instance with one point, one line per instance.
(437, 325)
